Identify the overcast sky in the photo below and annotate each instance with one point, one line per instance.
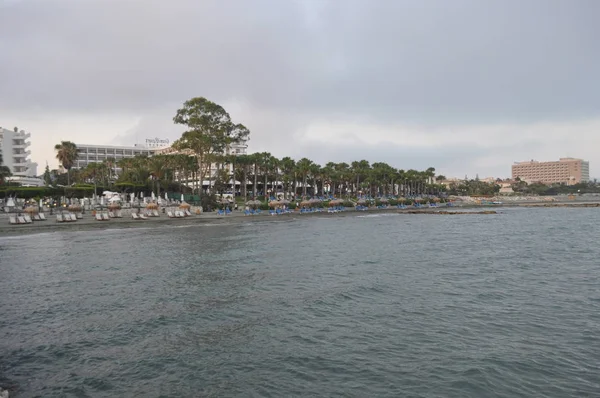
(465, 86)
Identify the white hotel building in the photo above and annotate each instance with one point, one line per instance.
(87, 154)
(15, 155)
(98, 153)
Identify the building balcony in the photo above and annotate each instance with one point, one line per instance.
(21, 154)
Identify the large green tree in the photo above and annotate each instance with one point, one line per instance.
(210, 132)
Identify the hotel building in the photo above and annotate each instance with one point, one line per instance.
(564, 171)
(98, 153)
(15, 155)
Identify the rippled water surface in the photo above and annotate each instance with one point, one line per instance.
(503, 305)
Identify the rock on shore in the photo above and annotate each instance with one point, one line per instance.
(450, 213)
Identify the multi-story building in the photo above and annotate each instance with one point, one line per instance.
(87, 154)
(15, 155)
(564, 171)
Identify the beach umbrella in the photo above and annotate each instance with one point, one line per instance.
(361, 201)
(182, 198)
(166, 196)
(152, 206)
(436, 199)
(401, 199)
(253, 203)
(274, 203)
(384, 200)
(114, 206)
(31, 210)
(184, 205)
(74, 207)
(153, 196)
(102, 201)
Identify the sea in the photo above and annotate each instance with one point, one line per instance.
(357, 305)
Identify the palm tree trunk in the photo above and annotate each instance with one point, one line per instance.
(255, 180)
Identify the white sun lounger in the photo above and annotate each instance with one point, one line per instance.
(105, 217)
(73, 217)
(59, 218)
(12, 220)
(179, 214)
(135, 216)
(42, 217)
(143, 216)
(21, 220)
(99, 217)
(187, 213)
(36, 217)
(155, 213)
(28, 219)
(170, 214)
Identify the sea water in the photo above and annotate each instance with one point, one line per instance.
(504, 305)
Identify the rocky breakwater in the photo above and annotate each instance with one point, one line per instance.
(449, 213)
(560, 205)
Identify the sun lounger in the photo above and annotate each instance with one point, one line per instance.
(170, 214)
(36, 217)
(28, 219)
(105, 217)
(143, 216)
(42, 217)
(59, 218)
(99, 217)
(12, 220)
(111, 214)
(187, 213)
(179, 214)
(135, 216)
(73, 217)
(118, 214)
(155, 213)
(21, 220)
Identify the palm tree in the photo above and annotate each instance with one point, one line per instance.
(304, 166)
(66, 153)
(245, 161)
(360, 170)
(288, 169)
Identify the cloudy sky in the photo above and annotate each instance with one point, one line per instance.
(465, 86)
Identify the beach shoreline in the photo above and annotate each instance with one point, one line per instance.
(88, 223)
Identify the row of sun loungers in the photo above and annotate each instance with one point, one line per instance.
(252, 212)
(102, 217)
(179, 214)
(67, 217)
(26, 219)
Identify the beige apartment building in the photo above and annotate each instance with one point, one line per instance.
(564, 171)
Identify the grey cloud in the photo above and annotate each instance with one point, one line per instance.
(464, 61)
